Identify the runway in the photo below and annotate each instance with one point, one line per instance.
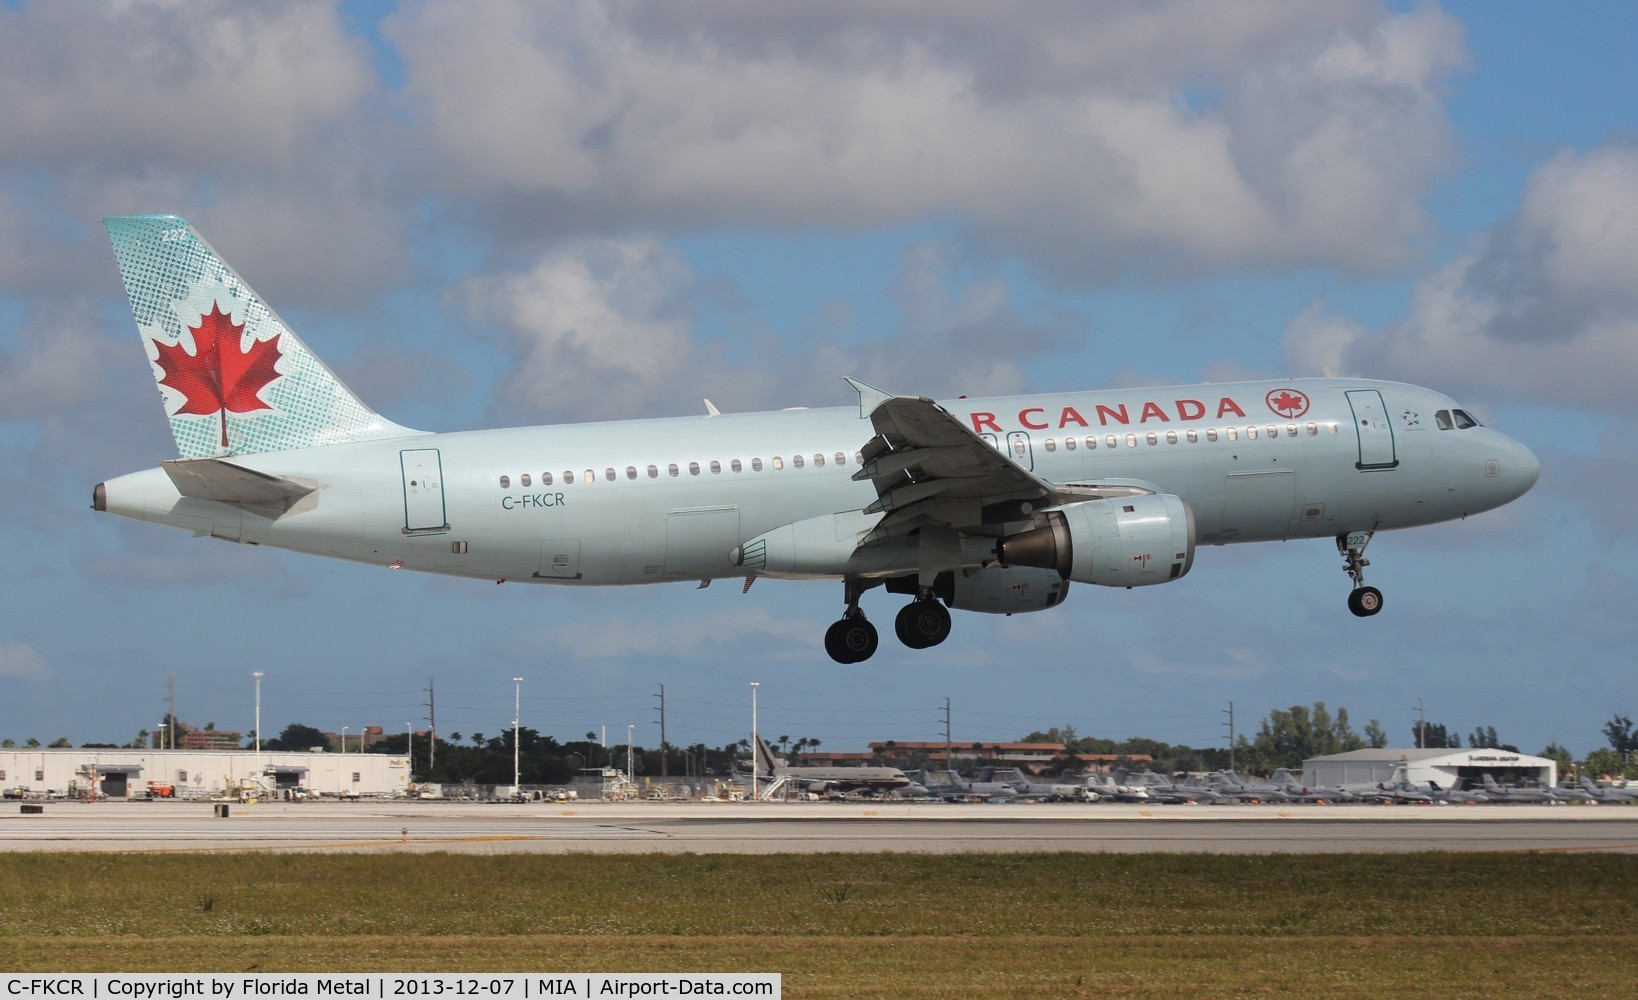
(802, 828)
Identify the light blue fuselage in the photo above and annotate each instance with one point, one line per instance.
(621, 502)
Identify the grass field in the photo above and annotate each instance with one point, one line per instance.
(893, 925)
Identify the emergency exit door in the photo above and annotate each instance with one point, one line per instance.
(424, 512)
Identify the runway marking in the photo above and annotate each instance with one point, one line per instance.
(286, 845)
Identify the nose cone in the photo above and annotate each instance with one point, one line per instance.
(1523, 469)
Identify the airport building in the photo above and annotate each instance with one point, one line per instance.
(1451, 767)
(196, 774)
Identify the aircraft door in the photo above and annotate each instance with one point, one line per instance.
(1376, 444)
(1020, 451)
(559, 559)
(424, 512)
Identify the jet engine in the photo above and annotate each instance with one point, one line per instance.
(995, 589)
(1126, 542)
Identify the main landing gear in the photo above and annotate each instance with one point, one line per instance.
(1363, 601)
(921, 624)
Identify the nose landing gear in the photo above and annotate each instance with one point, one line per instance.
(1363, 601)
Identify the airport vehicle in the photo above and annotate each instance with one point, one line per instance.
(992, 505)
(824, 780)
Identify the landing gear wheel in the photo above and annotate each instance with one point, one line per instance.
(851, 640)
(922, 624)
(1365, 602)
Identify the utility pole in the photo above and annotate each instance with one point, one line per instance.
(665, 770)
(170, 730)
(756, 749)
(432, 728)
(1421, 725)
(947, 749)
(517, 715)
(1230, 724)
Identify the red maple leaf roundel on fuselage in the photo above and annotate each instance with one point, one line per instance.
(218, 377)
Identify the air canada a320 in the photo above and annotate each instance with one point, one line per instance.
(992, 505)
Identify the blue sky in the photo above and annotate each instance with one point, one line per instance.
(551, 213)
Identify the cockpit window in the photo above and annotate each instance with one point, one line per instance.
(1443, 419)
(1463, 420)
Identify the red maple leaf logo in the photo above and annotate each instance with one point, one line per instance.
(218, 377)
(1288, 403)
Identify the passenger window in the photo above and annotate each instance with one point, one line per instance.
(1232, 433)
(1211, 434)
(545, 479)
(568, 478)
(591, 476)
(1273, 432)
(1051, 444)
(716, 467)
(841, 459)
(1069, 444)
(608, 474)
(1150, 437)
(693, 468)
(796, 461)
(1290, 430)
(506, 482)
(818, 461)
(1194, 437)
(653, 472)
(672, 470)
(778, 463)
(1110, 441)
(631, 472)
(1131, 440)
(1171, 437)
(1313, 430)
(756, 465)
(734, 465)
(523, 480)
(1251, 433)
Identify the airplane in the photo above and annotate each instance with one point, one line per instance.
(992, 505)
(1604, 793)
(821, 780)
(1519, 793)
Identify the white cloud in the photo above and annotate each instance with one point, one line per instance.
(21, 662)
(1236, 664)
(1544, 306)
(1093, 138)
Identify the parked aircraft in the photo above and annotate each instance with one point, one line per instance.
(1605, 793)
(828, 779)
(1514, 793)
(991, 505)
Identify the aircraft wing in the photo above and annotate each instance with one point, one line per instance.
(929, 469)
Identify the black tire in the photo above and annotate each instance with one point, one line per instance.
(851, 640)
(922, 624)
(1365, 601)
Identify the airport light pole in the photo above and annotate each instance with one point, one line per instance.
(517, 715)
(630, 730)
(258, 675)
(344, 738)
(409, 736)
(754, 747)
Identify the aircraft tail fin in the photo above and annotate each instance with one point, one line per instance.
(765, 757)
(234, 379)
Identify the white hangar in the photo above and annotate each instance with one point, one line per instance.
(1451, 767)
(141, 773)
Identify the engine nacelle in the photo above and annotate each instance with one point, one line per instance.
(1129, 542)
(1002, 590)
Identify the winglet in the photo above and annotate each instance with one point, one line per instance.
(870, 397)
(711, 409)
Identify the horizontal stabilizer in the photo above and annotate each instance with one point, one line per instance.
(214, 479)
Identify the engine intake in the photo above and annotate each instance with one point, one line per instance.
(1129, 542)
